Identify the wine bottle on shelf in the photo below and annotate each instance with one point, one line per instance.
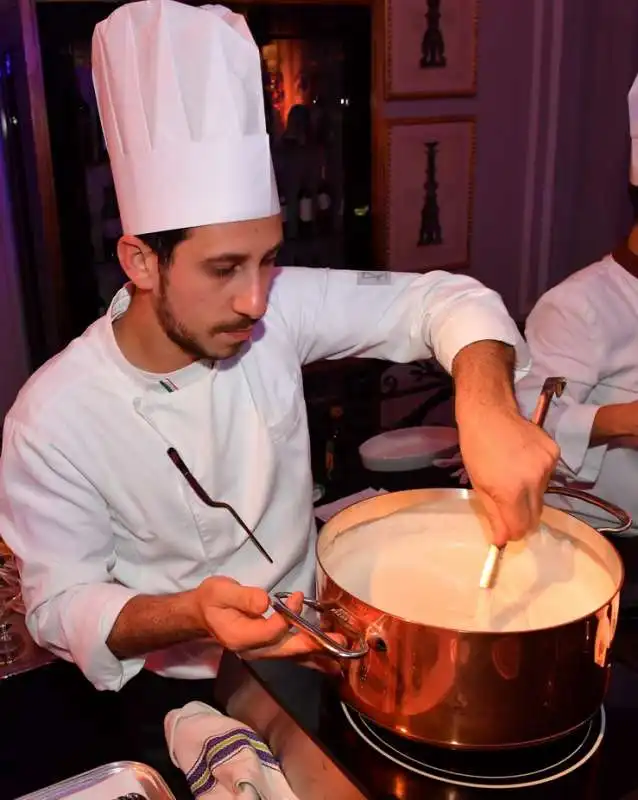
(283, 205)
(110, 208)
(324, 205)
(333, 463)
(88, 154)
(306, 213)
(103, 153)
(340, 213)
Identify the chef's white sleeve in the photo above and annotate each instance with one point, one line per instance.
(58, 527)
(389, 315)
(563, 338)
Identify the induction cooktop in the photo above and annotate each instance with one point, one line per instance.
(330, 752)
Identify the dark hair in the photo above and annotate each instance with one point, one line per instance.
(633, 197)
(163, 243)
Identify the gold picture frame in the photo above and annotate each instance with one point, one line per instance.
(430, 48)
(428, 180)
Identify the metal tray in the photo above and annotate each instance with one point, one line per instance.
(120, 780)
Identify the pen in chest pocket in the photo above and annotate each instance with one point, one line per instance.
(203, 495)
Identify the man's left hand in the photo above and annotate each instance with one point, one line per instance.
(509, 461)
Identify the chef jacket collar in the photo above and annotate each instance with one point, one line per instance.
(154, 382)
(626, 258)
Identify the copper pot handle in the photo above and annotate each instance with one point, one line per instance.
(556, 386)
(551, 387)
(615, 511)
(313, 631)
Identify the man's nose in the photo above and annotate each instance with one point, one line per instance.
(251, 298)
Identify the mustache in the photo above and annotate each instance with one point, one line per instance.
(237, 327)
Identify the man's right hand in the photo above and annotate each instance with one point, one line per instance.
(234, 615)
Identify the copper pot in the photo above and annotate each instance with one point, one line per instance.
(464, 689)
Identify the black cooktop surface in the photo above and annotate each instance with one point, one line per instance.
(599, 761)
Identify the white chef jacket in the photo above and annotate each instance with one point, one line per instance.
(586, 330)
(96, 512)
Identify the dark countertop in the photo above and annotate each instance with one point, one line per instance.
(56, 725)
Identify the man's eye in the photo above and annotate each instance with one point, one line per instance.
(224, 272)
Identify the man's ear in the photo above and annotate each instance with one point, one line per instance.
(138, 261)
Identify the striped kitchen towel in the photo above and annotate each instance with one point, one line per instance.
(222, 758)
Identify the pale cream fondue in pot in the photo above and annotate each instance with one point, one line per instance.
(423, 564)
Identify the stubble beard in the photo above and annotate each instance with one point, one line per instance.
(178, 332)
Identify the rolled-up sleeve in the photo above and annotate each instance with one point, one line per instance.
(562, 336)
(388, 315)
(58, 527)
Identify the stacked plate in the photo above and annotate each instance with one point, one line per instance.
(407, 449)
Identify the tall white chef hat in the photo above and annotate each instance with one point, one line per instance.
(179, 92)
(633, 131)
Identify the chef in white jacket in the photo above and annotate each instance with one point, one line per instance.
(586, 330)
(194, 375)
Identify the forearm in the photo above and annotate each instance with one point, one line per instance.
(148, 622)
(613, 422)
(483, 374)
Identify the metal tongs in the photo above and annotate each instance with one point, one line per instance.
(551, 387)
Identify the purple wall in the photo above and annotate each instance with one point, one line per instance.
(601, 60)
(552, 138)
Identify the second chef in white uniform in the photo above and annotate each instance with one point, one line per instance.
(586, 330)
